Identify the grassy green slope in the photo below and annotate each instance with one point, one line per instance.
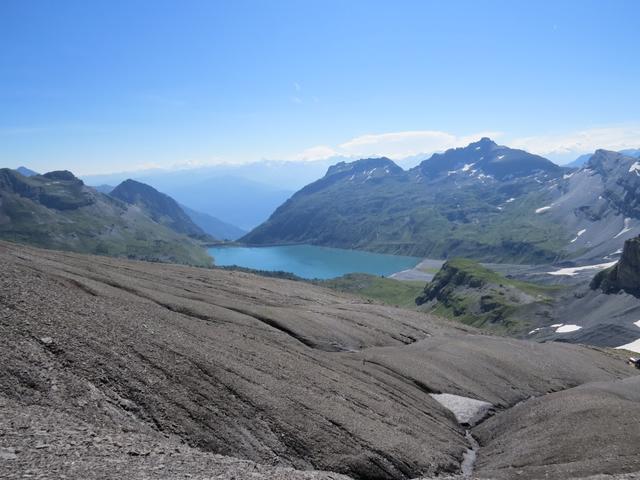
(466, 291)
(402, 215)
(384, 290)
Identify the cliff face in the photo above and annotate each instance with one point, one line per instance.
(623, 276)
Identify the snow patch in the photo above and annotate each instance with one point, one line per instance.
(477, 148)
(633, 346)
(568, 328)
(510, 200)
(543, 209)
(579, 235)
(467, 167)
(567, 176)
(635, 168)
(626, 227)
(637, 324)
(468, 411)
(534, 331)
(556, 325)
(500, 157)
(572, 271)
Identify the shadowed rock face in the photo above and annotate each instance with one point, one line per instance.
(59, 190)
(625, 275)
(276, 372)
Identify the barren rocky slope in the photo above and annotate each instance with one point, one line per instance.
(114, 366)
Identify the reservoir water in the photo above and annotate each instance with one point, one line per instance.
(308, 261)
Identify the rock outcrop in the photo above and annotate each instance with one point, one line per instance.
(624, 275)
(468, 292)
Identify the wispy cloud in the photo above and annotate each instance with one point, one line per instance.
(583, 141)
(399, 145)
(396, 145)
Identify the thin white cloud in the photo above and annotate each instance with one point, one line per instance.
(396, 145)
(318, 152)
(583, 141)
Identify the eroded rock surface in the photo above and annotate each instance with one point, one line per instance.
(145, 357)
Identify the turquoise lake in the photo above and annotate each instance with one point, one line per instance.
(308, 261)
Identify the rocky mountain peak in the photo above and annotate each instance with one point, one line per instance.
(488, 158)
(159, 206)
(385, 165)
(62, 175)
(27, 172)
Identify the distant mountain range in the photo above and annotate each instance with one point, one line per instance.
(213, 226)
(237, 201)
(483, 201)
(209, 224)
(56, 210)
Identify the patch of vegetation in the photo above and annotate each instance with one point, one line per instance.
(470, 293)
(263, 273)
(381, 289)
(482, 275)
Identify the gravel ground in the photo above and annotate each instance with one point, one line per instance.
(116, 369)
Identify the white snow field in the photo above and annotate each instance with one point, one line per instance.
(468, 411)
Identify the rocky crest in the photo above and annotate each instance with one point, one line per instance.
(491, 159)
(56, 210)
(624, 275)
(468, 292)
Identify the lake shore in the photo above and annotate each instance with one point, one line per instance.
(423, 271)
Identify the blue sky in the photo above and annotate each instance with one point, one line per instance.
(100, 86)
